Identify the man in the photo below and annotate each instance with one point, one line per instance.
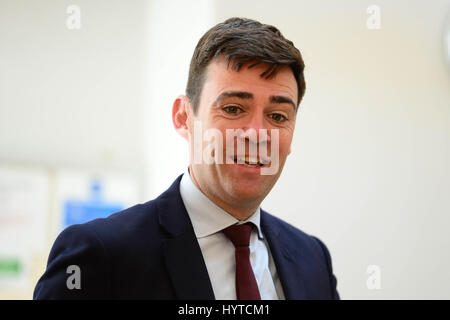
(206, 237)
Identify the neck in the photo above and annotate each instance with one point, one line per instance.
(239, 211)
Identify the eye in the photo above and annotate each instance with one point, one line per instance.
(232, 109)
(278, 117)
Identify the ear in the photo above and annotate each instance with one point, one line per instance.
(181, 116)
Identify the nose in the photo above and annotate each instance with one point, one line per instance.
(255, 131)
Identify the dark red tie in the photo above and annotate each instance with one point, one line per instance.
(246, 286)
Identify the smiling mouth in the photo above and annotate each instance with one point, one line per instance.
(250, 162)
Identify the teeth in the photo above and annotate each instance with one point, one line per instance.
(251, 161)
(248, 160)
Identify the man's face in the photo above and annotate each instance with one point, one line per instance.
(243, 100)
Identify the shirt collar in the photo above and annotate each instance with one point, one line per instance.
(206, 217)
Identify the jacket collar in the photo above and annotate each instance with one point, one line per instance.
(286, 258)
(207, 218)
(184, 259)
(182, 254)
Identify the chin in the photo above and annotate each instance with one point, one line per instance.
(246, 191)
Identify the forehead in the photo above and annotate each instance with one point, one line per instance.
(220, 78)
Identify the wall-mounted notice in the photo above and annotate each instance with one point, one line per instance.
(84, 196)
(78, 210)
(24, 220)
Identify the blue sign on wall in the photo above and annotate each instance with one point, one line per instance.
(80, 211)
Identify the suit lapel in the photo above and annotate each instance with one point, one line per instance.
(184, 259)
(182, 253)
(285, 257)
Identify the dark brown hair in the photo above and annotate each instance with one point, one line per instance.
(241, 41)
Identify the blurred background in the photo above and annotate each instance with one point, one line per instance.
(86, 90)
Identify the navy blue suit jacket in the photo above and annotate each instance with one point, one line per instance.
(150, 251)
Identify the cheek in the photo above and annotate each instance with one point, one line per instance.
(285, 144)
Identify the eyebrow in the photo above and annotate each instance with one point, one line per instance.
(249, 96)
(233, 94)
(282, 99)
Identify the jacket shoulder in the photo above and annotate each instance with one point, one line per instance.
(308, 247)
(298, 238)
(281, 226)
(117, 256)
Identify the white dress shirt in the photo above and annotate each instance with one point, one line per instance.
(218, 251)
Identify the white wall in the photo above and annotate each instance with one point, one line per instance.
(73, 97)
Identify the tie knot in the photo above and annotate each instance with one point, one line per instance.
(239, 234)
